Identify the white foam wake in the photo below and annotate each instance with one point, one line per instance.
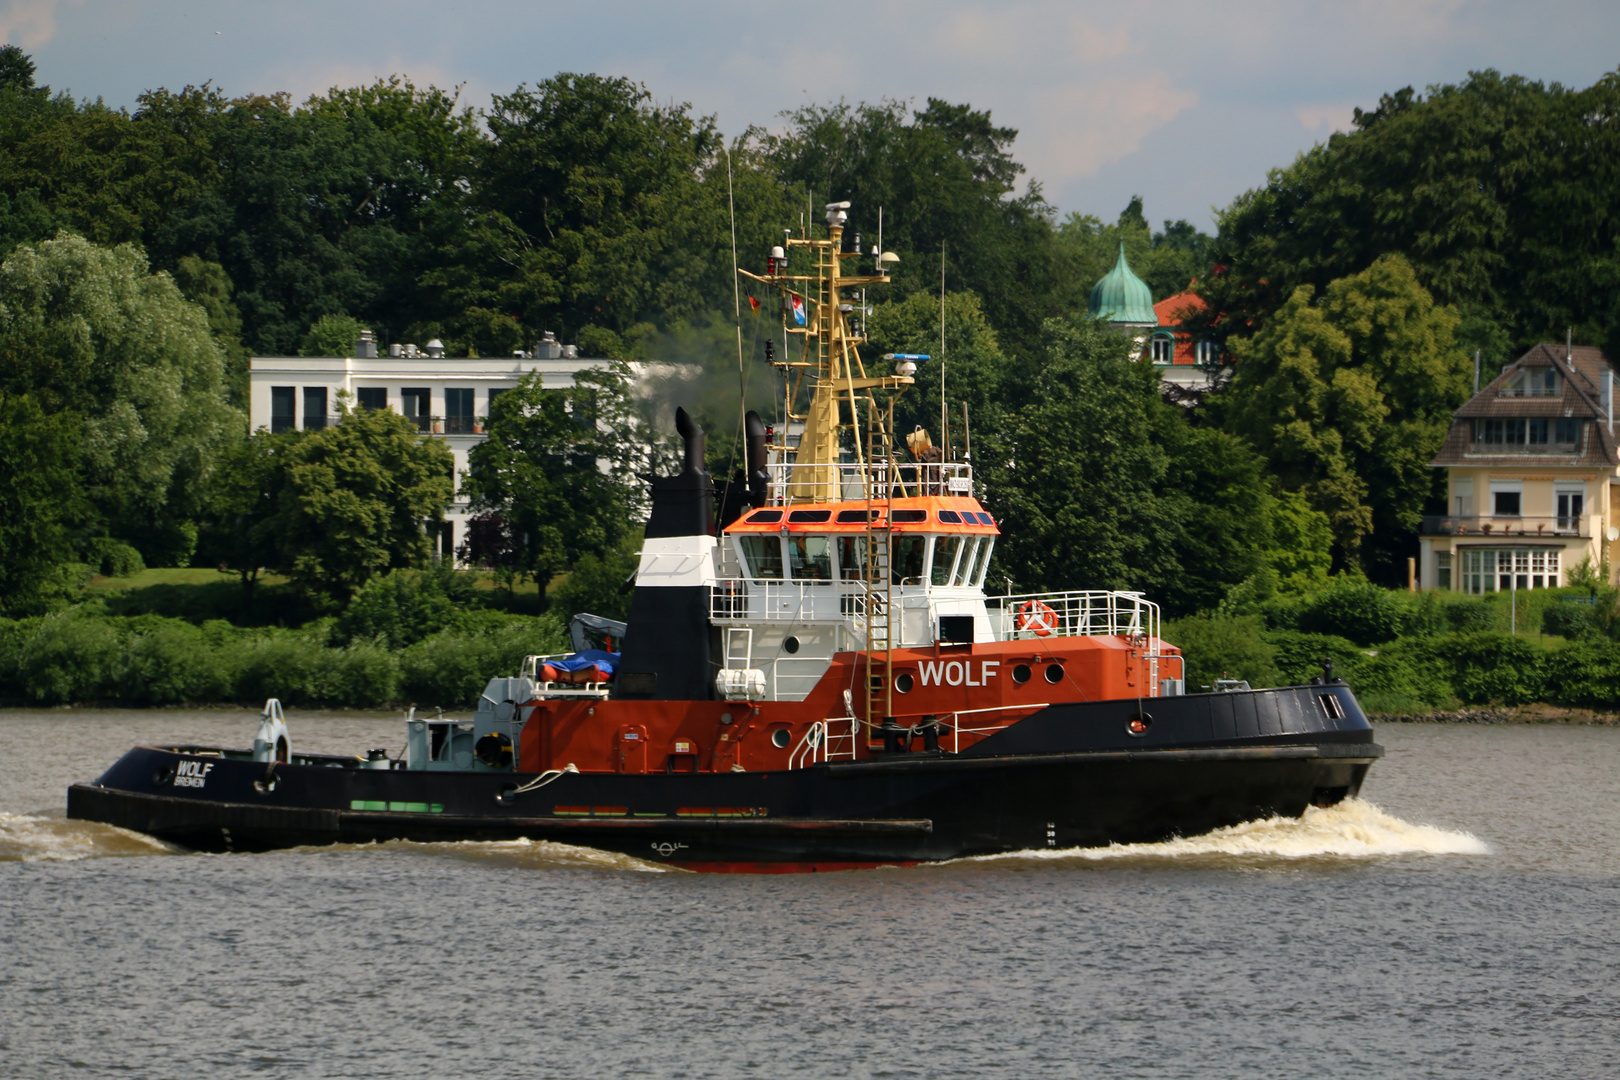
(35, 838)
(1353, 829)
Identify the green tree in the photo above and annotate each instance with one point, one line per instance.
(1501, 193)
(943, 175)
(90, 331)
(1106, 486)
(1350, 400)
(540, 475)
(1168, 261)
(358, 499)
(977, 372)
(331, 335)
(40, 505)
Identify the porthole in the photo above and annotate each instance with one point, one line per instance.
(1021, 674)
(903, 682)
(1054, 673)
(790, 644)
(780, 738)
(1138, 724)
(163, 776)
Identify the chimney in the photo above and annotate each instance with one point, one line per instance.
(366, 347)
(396, 349)
(570, 352)
(547, 349)
(435, 348)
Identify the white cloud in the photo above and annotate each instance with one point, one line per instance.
(29, 23)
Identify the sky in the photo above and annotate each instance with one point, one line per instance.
(1187, 104)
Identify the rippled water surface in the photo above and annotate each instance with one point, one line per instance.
(1461, 920)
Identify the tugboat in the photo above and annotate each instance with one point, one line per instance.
(811, 678)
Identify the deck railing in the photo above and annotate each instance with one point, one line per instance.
(904, 479)
(1073, 614)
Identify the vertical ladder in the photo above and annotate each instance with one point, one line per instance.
(879, 583)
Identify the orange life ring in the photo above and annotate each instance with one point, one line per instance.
(1037, 616)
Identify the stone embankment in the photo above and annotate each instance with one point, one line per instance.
(1536, 713)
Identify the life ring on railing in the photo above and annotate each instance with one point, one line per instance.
(1036, 616)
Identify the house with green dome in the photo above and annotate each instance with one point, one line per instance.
(1125, 303)
(1122, 299)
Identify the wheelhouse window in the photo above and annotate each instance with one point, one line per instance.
(946, 549)
(852, 558)
(985, 544)
(906, 565)
(283, 406)
(762, 556)
(810, 557)
(968, 561)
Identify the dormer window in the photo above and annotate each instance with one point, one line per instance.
(1209, 353)
(1531, 382)
(1531, 435)
(1163, 348)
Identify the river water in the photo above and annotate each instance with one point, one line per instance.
(1461, 920)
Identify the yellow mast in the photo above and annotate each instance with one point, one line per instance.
(838, 385)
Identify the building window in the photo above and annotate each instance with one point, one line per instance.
(1538, 431)
(458, 412)
(1501, 570)
(1567, 432)
(1505, 503)
(1164, 348)
(283, 403)
(372, 397)
(314, 408)
(1571, 504)
(419, 407)
(493, 394)
(1209, 353)
(1442, 569)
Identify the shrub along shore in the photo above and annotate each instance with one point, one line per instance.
(81, 655)
(429, 638)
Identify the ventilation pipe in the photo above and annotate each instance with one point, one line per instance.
(1608, 398)
(1476, 371)
(759, 476)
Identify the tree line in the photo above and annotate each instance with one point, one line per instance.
(146, 253)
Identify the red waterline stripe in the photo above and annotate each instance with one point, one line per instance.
(783, 867)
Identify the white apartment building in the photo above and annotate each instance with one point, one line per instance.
(447, 397)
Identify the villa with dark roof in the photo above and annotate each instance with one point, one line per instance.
(1531, 465)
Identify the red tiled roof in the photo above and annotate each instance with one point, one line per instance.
(1173, 310)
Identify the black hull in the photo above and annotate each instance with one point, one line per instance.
(1066, 777)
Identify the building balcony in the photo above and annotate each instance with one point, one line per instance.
(1501, 526)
